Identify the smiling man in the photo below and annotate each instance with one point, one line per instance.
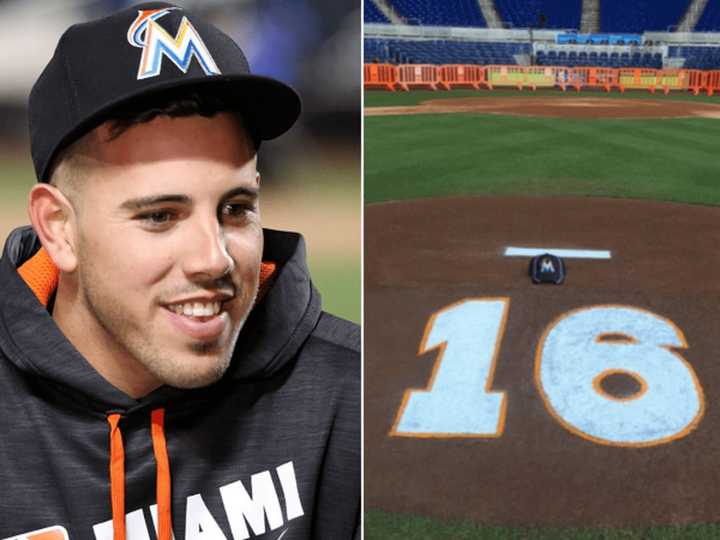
(168, 295)
(165, 364)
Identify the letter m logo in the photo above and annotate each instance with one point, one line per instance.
(547, 266)
(146, 33)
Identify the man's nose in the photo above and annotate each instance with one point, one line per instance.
(207, 255)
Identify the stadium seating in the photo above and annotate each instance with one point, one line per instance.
(599, 59)
(527, 13)
(372, 14)
(697, 57)
(376, 50)
(641, 15)
(442, 52)
(619, 16)
(598, 39)
(710, 19)
(446, 13)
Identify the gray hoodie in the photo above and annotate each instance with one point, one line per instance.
(271, 451)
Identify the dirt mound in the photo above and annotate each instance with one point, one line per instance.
(430, 263)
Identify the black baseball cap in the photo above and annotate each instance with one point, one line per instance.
(150, 48)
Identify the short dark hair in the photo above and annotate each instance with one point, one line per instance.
(176, 103)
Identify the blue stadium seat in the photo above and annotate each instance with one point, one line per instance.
(372, 14)
(710, 19)
(445, 13)
(641, 15)
(442, 51)
(540, 13)
(702, 57)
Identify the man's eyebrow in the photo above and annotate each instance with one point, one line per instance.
(143, 202)
(251, 192)
(152, 200)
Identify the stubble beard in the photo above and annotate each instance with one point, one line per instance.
(178, 369)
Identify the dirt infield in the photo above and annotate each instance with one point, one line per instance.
(559, 107)
(540, 466)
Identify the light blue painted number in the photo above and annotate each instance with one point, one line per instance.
(587, 345)
(458, 401)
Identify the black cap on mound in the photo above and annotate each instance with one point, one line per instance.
(547, 268)
(150, 48)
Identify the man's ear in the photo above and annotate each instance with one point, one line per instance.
(53, 218)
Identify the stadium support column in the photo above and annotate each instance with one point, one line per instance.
(532, 49)
(590, 17)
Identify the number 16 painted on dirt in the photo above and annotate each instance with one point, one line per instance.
(576, 353)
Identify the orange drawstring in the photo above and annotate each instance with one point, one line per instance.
(117, 476)
(163, 487)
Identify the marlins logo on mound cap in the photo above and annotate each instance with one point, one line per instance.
(135, 53)
(547, 268)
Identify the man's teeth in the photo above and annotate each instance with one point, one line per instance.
(196, 309)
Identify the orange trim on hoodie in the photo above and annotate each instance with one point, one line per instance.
(41, 275)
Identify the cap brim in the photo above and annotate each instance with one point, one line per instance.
(270, 105)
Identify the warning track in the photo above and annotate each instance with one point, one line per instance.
(539, 469)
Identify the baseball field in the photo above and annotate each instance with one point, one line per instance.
(499, 409)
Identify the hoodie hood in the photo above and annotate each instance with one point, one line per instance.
(31, 340)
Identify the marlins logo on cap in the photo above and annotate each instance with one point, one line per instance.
(148, 35)
(547, 268)
(77, 91)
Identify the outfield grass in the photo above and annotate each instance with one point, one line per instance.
(385, 526)
(415, 156)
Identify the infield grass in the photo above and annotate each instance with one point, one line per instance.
(413, 156)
